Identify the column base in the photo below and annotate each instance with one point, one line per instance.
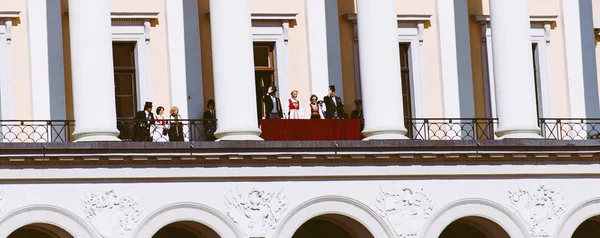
(518, 132)
(101, 134)
(384, 134)
(233, 134)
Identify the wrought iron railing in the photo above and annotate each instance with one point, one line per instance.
(570, 128)
(452, 128)
(181, 130)
(36, 131)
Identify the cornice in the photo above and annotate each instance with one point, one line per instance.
(356, 153)
(402, 18)
(9, 14)
(533, 19)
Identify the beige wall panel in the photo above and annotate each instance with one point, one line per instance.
(159, 58)
(20, 59)
(298, 54)
(433, 78)
(475, 7)
(277, 6)
(559, 75)
(137, 5)
(598, 59)
(545, 7)
(415, 7)
(596, 12)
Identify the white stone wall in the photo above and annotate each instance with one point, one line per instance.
(387, 204)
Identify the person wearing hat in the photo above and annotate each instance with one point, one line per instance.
(142, 123)
(333, 105)
(358, 113)
(272, 104)
(210, 121)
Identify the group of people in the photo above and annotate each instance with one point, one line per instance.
(331, 107)
(148, 126)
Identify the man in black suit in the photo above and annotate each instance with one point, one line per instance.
(272, 105)
(142, 123)
(333, 105)
(210, 121)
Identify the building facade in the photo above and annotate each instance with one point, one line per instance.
(481, 118)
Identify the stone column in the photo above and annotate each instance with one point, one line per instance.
(92, 71)
(233, 69)
(380, 70)
(513, 69)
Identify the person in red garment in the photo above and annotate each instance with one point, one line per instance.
(294, 106)
(315, 108)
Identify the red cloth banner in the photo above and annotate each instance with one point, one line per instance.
(310, 129)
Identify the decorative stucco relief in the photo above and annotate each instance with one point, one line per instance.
(541, 208)
(256, 211)
(3, 202)
(406, 210)
(111, 215)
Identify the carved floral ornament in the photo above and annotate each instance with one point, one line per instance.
(540, 208)
(3, 202)
(406, 210)
(256, 211)
(111, 215)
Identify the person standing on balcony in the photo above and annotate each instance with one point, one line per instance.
(161, 131)
(358, 113)
(333, 104)
(176, 128)
(210, 121)
(272, 104)
(143, 120)
(316, 111)
(294, 106)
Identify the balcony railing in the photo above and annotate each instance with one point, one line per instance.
(570, 128)
(36, 131)
(182, 130)
(39, 131)
(451, 128)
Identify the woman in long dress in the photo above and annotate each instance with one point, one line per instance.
(294, 106)
(161, 130)
(176, 129)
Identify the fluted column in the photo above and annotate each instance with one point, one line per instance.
(92, 71)
(380, 70)
(233, 69)
(513, 69)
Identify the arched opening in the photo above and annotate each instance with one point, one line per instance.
(186, 229)
(332, 225)
(474, 227)
(589, 228)
(40, 230)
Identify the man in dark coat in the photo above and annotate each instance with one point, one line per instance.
(142, 123)
(333, 105)
(358, 113)
(210, 121)
(272, 105)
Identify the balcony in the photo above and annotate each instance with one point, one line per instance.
(432, 129)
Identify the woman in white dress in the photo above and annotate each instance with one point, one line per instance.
(161, 130)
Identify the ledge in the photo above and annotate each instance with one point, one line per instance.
(234, 154)
(400, 18)
(536, 18)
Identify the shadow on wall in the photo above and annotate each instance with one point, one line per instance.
(346, 29)
(475, 8)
